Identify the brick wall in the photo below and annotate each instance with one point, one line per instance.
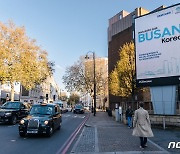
(113, 56)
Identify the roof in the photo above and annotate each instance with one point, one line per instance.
(44, 104)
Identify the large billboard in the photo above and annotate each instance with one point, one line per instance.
(157, 42)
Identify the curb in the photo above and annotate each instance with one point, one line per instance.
(69, 141)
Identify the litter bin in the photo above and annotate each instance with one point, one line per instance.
(110, 112)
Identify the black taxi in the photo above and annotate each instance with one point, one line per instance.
(11, 112)
(42, 119)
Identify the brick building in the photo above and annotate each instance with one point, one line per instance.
(120, 31)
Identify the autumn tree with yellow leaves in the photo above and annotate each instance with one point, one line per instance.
(21, 59)
(122, 78)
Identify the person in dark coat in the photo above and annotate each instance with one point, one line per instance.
(129, 113)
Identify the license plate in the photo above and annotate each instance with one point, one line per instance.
(32, 131)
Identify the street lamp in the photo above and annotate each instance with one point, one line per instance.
(94, 79)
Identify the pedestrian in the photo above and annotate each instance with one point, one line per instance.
(142, 126)
(129, 113)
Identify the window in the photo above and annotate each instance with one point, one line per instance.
(133, 17)
(133, 34)
(56, 110)
(22, 106)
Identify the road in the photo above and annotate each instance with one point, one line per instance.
(11, 143)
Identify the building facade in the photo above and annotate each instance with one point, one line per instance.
(48, 91)
(101, 71)
(5, 92)
(120, 31)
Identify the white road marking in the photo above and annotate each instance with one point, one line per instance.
(79, 116)
(66, 116)
(73, 116)
(13, 140)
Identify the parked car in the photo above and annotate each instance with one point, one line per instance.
(78, 108)
(13, 111)
(42, 119)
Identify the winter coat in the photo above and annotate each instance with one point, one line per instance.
(141, 124)
(129, 113)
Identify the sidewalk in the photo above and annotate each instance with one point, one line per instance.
(102, 134)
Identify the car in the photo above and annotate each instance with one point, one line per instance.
(42, 119)
(12, 111)
(69, 108)
(61, 105)
(78, 108)
(87, 108)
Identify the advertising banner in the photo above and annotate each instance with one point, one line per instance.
(157, 42)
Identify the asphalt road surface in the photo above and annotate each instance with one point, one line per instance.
(12, 143)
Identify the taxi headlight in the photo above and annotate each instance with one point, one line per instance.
(46, 122)
(22, 122)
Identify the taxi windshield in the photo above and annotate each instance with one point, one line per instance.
(42, 110)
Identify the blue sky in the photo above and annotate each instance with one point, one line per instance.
(67, 29)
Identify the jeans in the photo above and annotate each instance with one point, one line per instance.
(143, 141)
(129, 121)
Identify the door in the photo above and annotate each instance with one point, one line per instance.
(24, 111)
(57, 117)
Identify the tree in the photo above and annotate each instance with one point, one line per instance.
(122, 78)
(73, 98)
(21, 59)
(80, 77)
(63, 96)
(74, 78)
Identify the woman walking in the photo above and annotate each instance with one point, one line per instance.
(142, 126)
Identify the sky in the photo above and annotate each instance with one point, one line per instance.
(68, 29)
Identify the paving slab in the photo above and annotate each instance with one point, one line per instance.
(102, 134)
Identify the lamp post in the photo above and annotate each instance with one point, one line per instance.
(94, 64)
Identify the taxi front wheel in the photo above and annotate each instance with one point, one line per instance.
(22, 134)
(59, 127)
(50, 131)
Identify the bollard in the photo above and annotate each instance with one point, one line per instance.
(120, 113)
(117, 113)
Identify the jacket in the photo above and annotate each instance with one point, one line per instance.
(141, 124)
(129, 113)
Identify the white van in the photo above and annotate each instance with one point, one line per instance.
(62, 105)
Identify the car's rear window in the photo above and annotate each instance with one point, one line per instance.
(78, 106)
(11, 105)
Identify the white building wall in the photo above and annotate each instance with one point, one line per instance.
(5, 89)
(38, 94)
